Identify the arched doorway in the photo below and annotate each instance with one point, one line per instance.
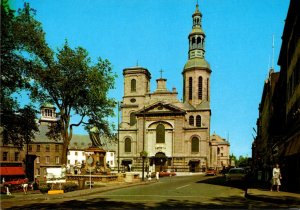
(160, 160)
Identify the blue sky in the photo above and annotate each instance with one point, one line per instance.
(154, 34)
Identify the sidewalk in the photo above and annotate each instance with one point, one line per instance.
(33, 195)
(273, 196)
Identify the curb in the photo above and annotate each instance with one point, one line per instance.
(279, 199)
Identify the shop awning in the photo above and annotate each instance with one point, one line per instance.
(194, 161)
(127, 161)
(11, 171)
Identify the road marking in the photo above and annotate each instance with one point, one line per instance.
(182, 186)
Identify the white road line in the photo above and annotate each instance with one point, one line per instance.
(182, 186)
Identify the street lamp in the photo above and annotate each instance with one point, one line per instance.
(143, 156)
(118, 137)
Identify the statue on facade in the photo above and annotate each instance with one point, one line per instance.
(95, 137)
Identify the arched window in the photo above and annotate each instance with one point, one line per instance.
(200, 84)
(191, 120)
(193, 42)
(198, 42)
(133, 85)
(190, 88)
(127, 145)
(195, 144)
(198, 121)
(132, 119)
(160, 133)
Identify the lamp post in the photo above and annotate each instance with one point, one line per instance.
(143, 156)
(118, 137)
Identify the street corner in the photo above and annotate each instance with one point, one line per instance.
(273, 196)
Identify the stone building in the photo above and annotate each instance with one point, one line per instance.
(278, 125)
(219, 150)
(158, 129)
(47, 152)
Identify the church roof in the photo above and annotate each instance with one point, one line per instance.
(219, 140)
(196, 62)
(41, 137)
(82, 142)
(159, 108)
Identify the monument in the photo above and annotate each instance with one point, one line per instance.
(95, 154)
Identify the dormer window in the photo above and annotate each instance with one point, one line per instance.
(48, 113)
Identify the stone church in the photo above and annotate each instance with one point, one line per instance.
(169, 134)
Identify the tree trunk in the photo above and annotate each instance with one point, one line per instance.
(64, 159)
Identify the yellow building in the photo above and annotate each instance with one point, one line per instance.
(166, 132)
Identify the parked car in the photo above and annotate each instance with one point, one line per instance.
(211, 172)
(166, 173)
(236, 174)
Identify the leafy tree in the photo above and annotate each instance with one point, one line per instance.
(21, 38)
(239, 162)
(20, 127)
(77, 86)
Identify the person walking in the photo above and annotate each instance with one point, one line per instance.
(157, 176)
(25, 185)
(276, 177)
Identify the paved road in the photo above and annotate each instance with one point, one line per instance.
(192, 192)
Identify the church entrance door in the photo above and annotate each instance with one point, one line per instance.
(194, 165)
(160, 160)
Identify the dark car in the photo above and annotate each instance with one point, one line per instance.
(236, 174)
(211, 172)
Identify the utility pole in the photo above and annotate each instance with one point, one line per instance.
(118, 137)
(143, 153)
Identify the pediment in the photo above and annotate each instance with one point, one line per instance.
(159, 108)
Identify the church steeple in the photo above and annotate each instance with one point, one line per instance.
(197, 36)
(196, 72)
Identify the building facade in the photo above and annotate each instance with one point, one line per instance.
(47, 151)
(278, 125)
(158, 129)
(220, 151)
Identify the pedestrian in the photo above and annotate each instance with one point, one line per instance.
(157, 176)
(7, 191)
(25, 186)
(276, 177)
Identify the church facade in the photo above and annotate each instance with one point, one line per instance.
(158, 129)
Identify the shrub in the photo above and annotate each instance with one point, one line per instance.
(70, 186)
(44, 188)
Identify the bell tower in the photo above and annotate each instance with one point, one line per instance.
(196, 72)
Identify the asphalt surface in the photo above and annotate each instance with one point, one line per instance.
(26, 201)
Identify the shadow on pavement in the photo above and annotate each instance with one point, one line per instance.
(220, 180)
(232, 202)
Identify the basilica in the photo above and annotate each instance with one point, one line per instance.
(163, 133)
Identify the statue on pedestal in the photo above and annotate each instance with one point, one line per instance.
(95, 137)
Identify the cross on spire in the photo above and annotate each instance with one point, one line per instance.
(161, 71)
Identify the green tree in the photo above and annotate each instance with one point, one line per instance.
(21, 38)
(76, 86)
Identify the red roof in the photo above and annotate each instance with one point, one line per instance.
(10, 171)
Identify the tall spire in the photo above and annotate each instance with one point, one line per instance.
(197, 36)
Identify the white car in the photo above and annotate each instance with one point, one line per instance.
(236, 174)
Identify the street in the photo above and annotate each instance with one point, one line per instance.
(185, 192)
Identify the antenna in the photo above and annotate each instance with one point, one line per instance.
(137, 62)
(272, 52)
